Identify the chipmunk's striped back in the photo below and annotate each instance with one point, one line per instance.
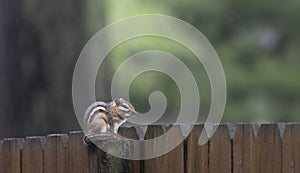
(93, 110)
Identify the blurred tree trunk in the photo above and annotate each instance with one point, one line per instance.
(56, 34)
(10, 75)
(40, 42)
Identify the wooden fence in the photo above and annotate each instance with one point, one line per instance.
(233, 148)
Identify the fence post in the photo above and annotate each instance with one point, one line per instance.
(291, 148)
(100, 161)
(54, 158)
(32, 155)
(10, 155)
(95, 162)
(132, 166)
(196, 155)
(269, 149)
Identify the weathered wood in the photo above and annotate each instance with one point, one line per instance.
(110, 163)
(108, 160)
(173, 161)
(131, 165)
(291, 149)
(196, 155)
(267, 152)
(55, 157)
(269, 149)
(220, 151)
(10, 155)
(244, 149)
(32, 155)
(76, 154)
(95, 161)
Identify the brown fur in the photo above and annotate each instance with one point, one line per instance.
(107, 121)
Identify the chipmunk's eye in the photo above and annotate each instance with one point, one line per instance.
(125, 106)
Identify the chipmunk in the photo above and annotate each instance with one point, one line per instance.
(101, 117)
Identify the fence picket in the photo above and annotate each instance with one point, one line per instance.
(10, 155)
(220, 151)
(269, 149)
(172, 161)
(55, 158)
(291, 148)
(244, 149)
(76, 153)
(196, 155)
(32, 155)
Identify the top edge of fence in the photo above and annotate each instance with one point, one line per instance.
(41, 139)
(292, 123)
(13, 139)
(214, 124)
(20, 141)
(231, 126)
(57, 135)
(63, 137)
(76, 132)
(35, 137)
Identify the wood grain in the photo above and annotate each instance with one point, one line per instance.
(131, 165)
(244, 149)
(172, 161)
(220, 151)
(76, 153)
(196, 155)
(32, 155)
(291, 149)
(268, 152)
(106, 160)
(55, 154)
(10, 155)
(269, 149)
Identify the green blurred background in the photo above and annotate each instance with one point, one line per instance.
(40, 41)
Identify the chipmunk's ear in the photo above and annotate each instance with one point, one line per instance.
(117, 101)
